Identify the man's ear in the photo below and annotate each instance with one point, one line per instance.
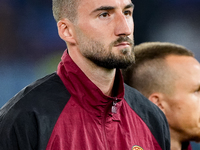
(66, 31)
(158, 99)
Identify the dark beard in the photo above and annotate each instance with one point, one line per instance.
(110, 60)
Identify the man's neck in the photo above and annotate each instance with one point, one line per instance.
(176, 144)
(103, 78)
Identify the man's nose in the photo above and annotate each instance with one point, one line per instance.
(124, 25)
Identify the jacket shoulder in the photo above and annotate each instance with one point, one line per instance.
(153, 117)
(39, 94)
(33, 113)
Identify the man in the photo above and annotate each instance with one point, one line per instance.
(169, 76)
(84, 105)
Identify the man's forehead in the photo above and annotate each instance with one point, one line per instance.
(186, 67)
(101, 3)
(180, 59)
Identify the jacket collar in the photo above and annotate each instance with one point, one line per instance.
(84, 91)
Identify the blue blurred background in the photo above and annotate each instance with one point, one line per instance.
(31, 48)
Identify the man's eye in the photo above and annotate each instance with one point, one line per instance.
(104, 15)
(127, 13)
(198, 90)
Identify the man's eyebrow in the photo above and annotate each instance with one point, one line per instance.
(131, 5)
(103, 8)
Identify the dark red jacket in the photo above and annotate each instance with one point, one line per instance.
(68, 112)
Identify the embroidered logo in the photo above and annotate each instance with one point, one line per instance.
(137, 148)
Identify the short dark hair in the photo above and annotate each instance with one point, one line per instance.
(65, 9)
(150, 73)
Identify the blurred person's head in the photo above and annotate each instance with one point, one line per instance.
(169, 76)
(100, 32)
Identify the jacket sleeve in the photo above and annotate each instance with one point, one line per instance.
(18, 131)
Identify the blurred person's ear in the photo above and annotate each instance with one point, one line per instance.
(66, 31)
(158, 99)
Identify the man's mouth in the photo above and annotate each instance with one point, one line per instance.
(123, 44)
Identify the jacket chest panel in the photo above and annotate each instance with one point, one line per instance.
(87, 131)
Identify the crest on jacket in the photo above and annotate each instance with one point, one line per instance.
(136, 147)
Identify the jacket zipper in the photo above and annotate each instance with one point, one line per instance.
(104, 116)
(113, 110)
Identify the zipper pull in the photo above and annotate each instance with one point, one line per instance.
(114, 107)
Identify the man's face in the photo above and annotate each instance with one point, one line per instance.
(183, 106)
(104, 32)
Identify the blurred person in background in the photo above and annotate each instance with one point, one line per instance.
(169, 76)
(85, 104)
